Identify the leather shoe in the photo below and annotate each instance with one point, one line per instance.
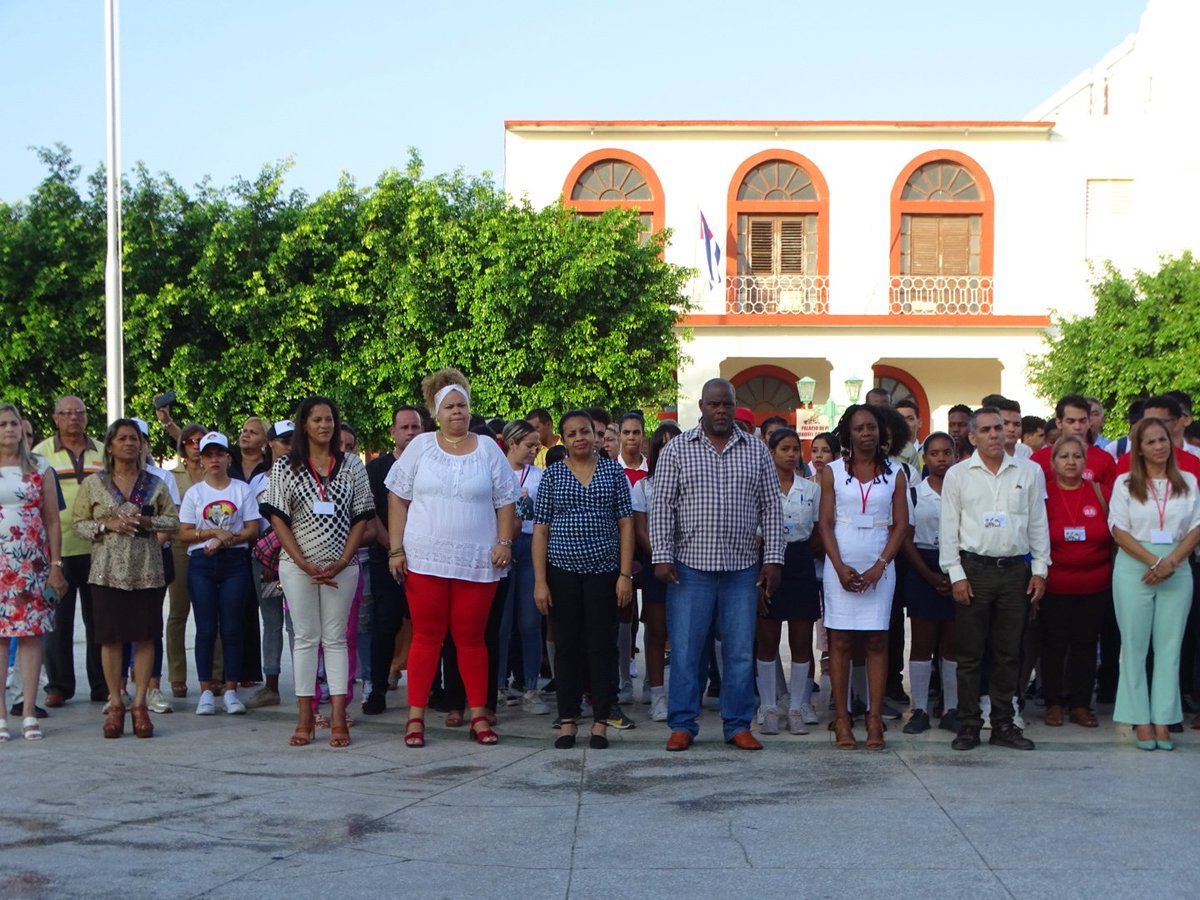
(679, 740)
(1010, 736)
(375, 704)
(744, 740)
(18, 709)
(967, 738)
(54, 701)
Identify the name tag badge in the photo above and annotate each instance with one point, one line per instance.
(788, 528)
(1075, 534)
(864, 521)
(323, 508)
(995, 520)
(1161, 536)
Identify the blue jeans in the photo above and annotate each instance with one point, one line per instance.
(219, 585)
(700, 599)
(520, 603)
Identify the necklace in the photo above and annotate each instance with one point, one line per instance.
(451, 441)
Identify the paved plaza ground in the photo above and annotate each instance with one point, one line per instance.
(222, 807)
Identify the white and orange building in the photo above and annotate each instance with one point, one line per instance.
(925, 256)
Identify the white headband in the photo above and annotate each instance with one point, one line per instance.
(441, 395)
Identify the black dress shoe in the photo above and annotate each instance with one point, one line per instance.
(18, 709)
(375, 704)
(1010, 736)
(967, 738)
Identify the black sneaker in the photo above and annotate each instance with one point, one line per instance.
(1009, 736)
(375, 704)
(618, 720)
(967, 739)
(918, 722)
(950, 721)
(897, 696)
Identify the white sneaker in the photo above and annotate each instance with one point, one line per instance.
(770, 721)
(206, 706)
(532, 703)
(808, 714)
(233, 704)
(625, 694)
(157, 703)
(796, 723)
(658, 708)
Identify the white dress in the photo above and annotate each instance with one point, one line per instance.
(860, 547)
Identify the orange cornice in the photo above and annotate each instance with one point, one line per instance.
(772, 320)
(790, 124)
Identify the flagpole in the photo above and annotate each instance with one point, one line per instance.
(113, 336)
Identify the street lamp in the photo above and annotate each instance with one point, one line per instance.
(805, 387)
(853, 389)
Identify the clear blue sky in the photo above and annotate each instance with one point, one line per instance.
(219, 87)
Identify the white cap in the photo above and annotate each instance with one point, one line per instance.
(142, 426)
(214, 438)
(280, 429)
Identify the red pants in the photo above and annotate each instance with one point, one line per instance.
(437, 603)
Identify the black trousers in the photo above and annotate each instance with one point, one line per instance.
(390, 611)
(997, 612)
(583, 609)
(60, 643)
(1070, 627)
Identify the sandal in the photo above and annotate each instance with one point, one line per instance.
(1081, 715)
(875, 739)
(302, 737)
(142, 726)
(114, 722)
(566, 741)
(30, 729)
(339, 736)
(1054, 715)
(484, 735)
(414, 738)
(320, 721)
(4, 735)
(454, 719)
(844, 733)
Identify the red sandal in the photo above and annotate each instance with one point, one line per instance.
(414, 738)
(484, 735)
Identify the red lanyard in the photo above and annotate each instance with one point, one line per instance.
(1072, 514)
(1162, 507)
(866, 495)
(317, 478)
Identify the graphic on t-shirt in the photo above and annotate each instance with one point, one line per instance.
(219, 513)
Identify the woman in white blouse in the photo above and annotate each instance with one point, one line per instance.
(1155, 520)
(450, 528)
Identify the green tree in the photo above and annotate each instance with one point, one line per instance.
(1141, 339)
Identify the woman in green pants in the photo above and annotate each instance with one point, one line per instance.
(1155, 519)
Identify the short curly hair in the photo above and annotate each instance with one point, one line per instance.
(440, 379)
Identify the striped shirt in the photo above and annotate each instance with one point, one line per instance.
(709, 507)
(72, 471)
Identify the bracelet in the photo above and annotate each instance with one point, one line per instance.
(882, 560)
(57, 562)
(394, 553)
(504, 543)
(1156, 562)
(626, 575)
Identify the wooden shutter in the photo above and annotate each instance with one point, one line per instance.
(955, 245)
(776, 246)
(761, 254)
(939, 245)
(791, 246)
(923, 246)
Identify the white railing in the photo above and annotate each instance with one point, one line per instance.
(940, 295)
(777, 294)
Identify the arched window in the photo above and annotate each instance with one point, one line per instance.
(611, 178)
(903, 385)
(766, 391)
(942, 227)
(778, 241)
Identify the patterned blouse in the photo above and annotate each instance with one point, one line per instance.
(291, 496)
(121, 561)
(583, 520)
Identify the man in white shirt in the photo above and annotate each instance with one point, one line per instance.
(993, 514)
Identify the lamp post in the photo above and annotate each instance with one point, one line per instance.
(853, 389)
(804, 390)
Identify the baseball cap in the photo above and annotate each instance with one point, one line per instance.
(281, 429)
(742, 414)
(142, 426)
(214, 439)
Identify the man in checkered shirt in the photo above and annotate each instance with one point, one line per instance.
(716, 535)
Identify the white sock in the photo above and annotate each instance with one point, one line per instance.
(765, 680)
(657, 691)
(624, 651)
(949, 684)
(550, 654)
(919, 674)
(801, 688)
(858, 683)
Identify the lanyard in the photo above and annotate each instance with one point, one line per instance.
(866, 495)
(1072, 514)
(1162, 507)
(524, 475)
(317, 478)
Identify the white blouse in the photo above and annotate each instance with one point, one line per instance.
(800, 506)
(1181, 512)
(451, 527)
(925, 516)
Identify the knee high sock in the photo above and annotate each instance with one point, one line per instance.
(765, 679)
(858, 683)
(624, 652)
(949, 684)
(801, 687)
(919, 674)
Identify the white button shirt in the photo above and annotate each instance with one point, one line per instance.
(993, 515)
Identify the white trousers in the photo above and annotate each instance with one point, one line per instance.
(319, 614)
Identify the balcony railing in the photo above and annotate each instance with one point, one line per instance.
(940, 295)
(777, 294)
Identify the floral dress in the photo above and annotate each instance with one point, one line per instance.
(24, 551)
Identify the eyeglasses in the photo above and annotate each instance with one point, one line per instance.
(192, 442)
(70, 412)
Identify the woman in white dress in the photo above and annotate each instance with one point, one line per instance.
(863, 521)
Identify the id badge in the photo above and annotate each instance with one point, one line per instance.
(995, 520)
(1161, 536)
(788, 528)
(323, 508)
(1075, 534)
(864, 521)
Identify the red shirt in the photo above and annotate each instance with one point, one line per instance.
(1186, 462)
(1098, 466)
(1078, 567)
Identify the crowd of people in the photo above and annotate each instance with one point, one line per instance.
(495, 563)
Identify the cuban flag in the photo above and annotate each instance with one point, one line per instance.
(712, 254)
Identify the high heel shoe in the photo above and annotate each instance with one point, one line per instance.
(875, 739)
(142, 726)
(114, 722)
(1146, 745)
(843, 734)
(566, 741)
(414, 738)
(1164, 745)
(484, 735)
